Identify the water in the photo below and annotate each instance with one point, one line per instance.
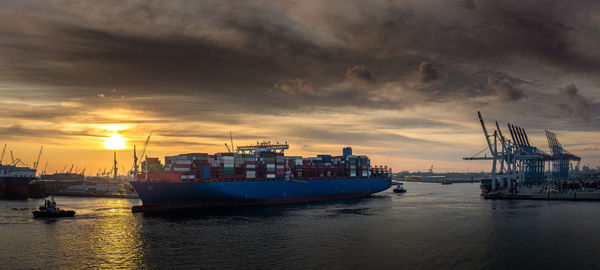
(430, 227)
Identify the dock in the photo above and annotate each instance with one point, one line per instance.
(568, 196)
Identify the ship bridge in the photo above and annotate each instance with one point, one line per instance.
(265, 146)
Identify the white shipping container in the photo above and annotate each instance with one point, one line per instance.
(352, 174)
(182, 169)
(298, 161)
(270, 166)
(270, 176)
(186, 162)
(250, 166)
(250, 175)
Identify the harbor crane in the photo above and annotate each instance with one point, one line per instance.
(135, 157)
(16, 161)
(37, 161)
(2, 156)
(115, 169)
(517, 161)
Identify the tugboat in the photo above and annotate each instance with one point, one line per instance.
(399, 188)
(49, 209)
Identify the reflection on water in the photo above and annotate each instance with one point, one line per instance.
(92, 239)
(114, 240)
(430, 227)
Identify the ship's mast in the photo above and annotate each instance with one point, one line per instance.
(135, 165)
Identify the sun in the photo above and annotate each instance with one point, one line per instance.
(114, 141)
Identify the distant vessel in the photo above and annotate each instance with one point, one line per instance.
(446, 182)
(258, 175)
(49, 209)
(14, 181)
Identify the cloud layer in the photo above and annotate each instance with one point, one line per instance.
(204, 67)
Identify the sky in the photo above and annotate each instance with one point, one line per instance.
(400, 81)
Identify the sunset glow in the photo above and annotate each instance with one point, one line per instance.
(114, 141)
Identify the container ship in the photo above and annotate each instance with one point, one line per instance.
(255, 175)
(14, 181)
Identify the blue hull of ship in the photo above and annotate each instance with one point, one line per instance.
(235, 193)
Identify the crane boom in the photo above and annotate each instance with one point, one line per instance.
(231, 137)
(37, 162)
(3, 151)
(146, 145)
(485, 132)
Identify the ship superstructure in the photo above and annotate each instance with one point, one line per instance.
(14, 181)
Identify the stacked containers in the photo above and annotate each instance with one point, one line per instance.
(181, 164)
(279, 166)
(268, 165)
(364, 166)
(228, 165)
(200, 166)
(352, 163)
(250, 166)
(324, 166)
(269, 161)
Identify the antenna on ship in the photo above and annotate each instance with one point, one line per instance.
(135, 164)
(231, 137)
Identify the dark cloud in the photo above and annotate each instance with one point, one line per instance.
(19, 131)
(297, 86)
(213, 60)
(361, 74)
(576, 105)
(467, 4)
(427, 73)
(505, 89)
(409, 123)
(329, 135)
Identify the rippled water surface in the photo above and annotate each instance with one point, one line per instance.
(430, 227)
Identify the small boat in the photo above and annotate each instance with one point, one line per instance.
(399, 188)
(446, 182)
(49, 209)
